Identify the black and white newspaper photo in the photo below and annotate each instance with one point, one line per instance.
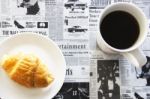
(105, 79)
(76, 6)
(108, 79)
(74, 91)
(24, 7)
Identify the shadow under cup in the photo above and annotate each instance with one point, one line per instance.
(123, 26)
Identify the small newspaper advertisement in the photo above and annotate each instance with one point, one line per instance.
(73, 24)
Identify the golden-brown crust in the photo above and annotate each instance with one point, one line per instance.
(27, 70)
(42, 77)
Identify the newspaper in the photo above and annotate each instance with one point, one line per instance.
(114, 76)
(73, 24)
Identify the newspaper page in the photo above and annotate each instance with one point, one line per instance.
(67, 25)
(75, 47)
(113, 77)
(73, 24)
(16, 17)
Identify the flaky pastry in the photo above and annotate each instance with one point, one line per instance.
(27, 70)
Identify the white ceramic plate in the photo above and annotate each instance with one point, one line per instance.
(49, 53)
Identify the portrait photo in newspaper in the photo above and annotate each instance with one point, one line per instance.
(108, 79)
(27, 7)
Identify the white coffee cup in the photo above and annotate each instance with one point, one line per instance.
(133, 53)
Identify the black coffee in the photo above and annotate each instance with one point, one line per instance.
(119, 29)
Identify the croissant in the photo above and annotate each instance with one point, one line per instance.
(27, 70)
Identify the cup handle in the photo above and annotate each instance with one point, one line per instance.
(136, 57)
